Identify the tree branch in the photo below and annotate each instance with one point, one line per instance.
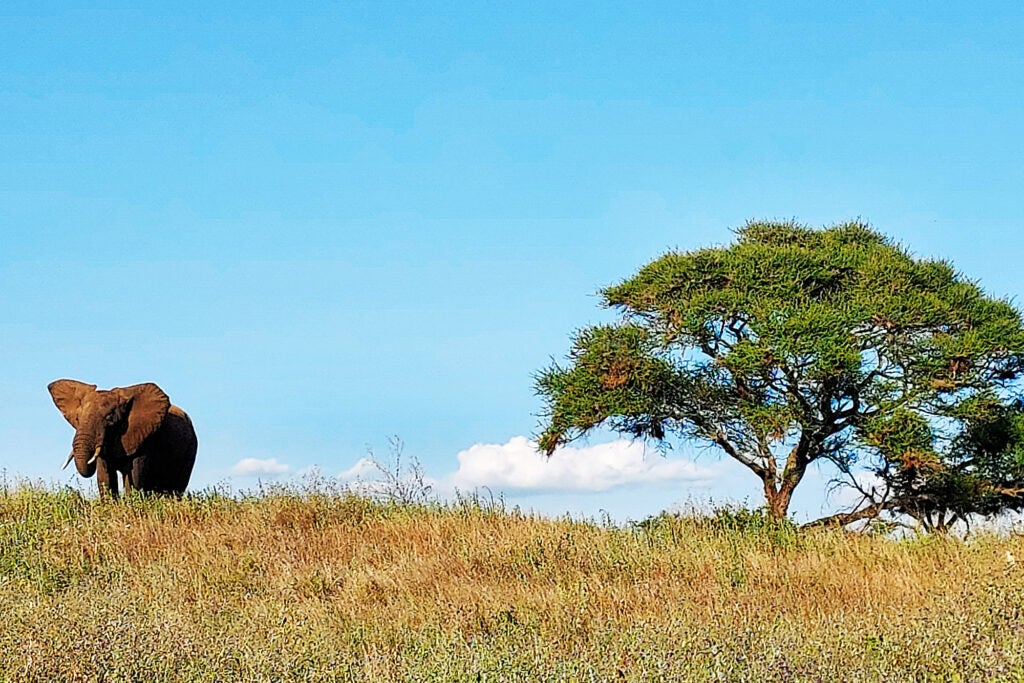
(843, 518)
(721, 439)
(792, 387)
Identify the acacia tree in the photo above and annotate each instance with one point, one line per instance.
(794, 345)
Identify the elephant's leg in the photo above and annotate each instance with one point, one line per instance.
(106, 477)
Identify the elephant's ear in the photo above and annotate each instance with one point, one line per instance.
(67, 396)
(148, 406)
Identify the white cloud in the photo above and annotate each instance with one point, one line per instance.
(362, 470)
(517, 465)
(363, 478)
(254, 467)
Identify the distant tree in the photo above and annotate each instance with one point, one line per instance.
(795, 345)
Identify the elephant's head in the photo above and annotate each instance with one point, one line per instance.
(109, 423)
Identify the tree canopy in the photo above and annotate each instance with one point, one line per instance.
(794, 345)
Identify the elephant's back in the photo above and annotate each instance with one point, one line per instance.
(178, 433)
(170, 454)
(180, 425)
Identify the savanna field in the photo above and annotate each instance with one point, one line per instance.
(312, 585)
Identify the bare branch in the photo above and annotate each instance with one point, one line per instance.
(751, 463)
(843, 518)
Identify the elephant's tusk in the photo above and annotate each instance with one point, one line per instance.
(71, 457)
(95, 455)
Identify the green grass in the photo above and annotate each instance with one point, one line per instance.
(312, 585)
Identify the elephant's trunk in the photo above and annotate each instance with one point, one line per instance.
(84, 448)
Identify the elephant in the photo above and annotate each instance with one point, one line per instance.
(132, 430)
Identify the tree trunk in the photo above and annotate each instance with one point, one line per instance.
(779, 494)
(778, 499)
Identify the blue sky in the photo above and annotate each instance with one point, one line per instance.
(319, 227)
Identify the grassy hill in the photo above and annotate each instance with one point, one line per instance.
(308, 585)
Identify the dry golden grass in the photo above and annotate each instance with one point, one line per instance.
(311, 586)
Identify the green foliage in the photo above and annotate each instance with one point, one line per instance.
(618, 377)
(755, 522)
(992, 443)
(790, 345)
(980, 473)
(902, 436)
(729, 521)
